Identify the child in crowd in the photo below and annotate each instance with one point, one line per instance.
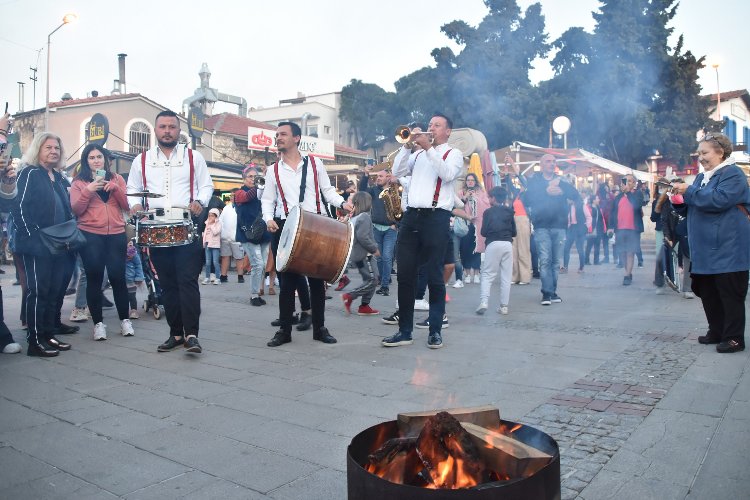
(498, 228)
(362, 251)
(133, 276)
(212, 244)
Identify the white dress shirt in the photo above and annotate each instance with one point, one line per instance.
(291, 179)
(170, 177)
(425, 167)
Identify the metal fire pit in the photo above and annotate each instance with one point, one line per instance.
(362, 485)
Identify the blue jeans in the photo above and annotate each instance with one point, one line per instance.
(258, 255)
(212, 255)
(549, 244)
(457, 256)
(386, 241)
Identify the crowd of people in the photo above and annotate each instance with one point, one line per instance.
(439, 233)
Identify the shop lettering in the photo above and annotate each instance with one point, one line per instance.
(261, 140)
(196, 123)
(96, 131)
(307, 146)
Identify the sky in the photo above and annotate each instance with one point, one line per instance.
(268, 51)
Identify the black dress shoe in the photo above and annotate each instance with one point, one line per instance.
(192, 345)
(41, 350)
(732, 345)
(170, 344)
(56, 344)
(323, 336)
(280, 338)
(708, 339)
(277, 321)
(305, 322)
(63, 329)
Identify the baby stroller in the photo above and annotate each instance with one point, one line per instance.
(154, 299)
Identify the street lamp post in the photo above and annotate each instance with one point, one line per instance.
(718, 92)
(561, 125)
(69, 18)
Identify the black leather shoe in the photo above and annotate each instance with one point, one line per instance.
(305, 322)
(41, 350)
(732, 345)
(63, 329)
(708, 339)
(170, 344)
(192, 345)
(56, 344)
(280, 338)
(322, 335)
(277, 321)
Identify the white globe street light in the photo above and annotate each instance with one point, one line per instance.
(561, 125)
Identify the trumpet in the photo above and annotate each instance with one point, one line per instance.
(260, 181)
(406, 136)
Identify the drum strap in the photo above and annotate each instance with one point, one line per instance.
(192, 173)
(439, 181)
(303, 184)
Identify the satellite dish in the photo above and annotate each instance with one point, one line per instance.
(561, 125)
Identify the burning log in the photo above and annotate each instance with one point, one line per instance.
(411, 424)
(503, 453)
(450, 456)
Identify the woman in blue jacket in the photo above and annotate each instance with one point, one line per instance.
(719, 238)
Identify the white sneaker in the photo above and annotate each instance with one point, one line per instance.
(12, 348)
(421, 305)
(688, 295)
(467, 279)
(503, 310)
(126, 328)
(216, 281)
(476, 278)
(78, 315)
(205, 281)
(482, 308)
(100, 331)
(523, 282)
(458, 284)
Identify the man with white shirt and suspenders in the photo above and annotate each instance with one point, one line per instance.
(424, 232)
(181, 175)
(296, 180)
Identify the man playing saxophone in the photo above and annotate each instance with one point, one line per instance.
(385, 225)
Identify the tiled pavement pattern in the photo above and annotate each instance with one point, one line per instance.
(614, 373)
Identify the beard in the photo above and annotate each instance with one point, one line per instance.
(169, 145)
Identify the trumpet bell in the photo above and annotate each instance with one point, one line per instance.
(403, 134)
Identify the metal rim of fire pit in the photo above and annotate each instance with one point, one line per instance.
(362, 485)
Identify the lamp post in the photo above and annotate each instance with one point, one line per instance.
(561, 125)
(68, 18)
(718, 93)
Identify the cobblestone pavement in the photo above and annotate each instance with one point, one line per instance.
(614, 374)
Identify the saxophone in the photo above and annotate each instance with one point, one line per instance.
(392, 201)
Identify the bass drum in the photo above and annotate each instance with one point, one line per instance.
(314, 246)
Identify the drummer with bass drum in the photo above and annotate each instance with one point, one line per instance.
(181, 176)
(297, 180)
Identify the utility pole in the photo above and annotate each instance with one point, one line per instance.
(33, 79)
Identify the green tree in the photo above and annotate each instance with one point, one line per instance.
(371, 112)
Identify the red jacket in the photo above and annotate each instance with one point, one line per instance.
(95, 216)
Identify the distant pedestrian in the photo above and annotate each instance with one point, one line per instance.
(499, 229)
(365, 247)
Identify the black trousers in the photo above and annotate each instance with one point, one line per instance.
(723, 297)
(422, 239)
(47, 279)
(178, 269)
(105, 250)
(289, 282)
(5, 335)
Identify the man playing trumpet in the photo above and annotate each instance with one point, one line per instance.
(425, 226)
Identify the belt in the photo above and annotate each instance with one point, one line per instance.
(426, 210)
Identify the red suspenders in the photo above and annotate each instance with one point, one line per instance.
(192, 173)
(281, 190)
(439, 181)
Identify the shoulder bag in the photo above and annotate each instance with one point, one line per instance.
(64, 237)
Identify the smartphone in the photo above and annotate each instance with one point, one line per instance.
(100, 174)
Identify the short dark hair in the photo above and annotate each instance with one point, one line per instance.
(499, 194)
(296, 131)
(441, 115)
(168, 113)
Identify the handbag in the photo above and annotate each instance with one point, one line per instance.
(460, 227)
(64, 237)
(255, 232)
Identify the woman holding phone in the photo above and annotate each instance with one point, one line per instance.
(98, 200)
